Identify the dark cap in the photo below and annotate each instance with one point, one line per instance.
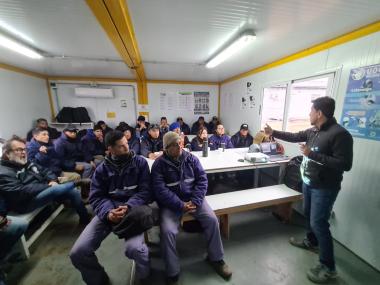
(70, 128)
(179, 119)
(153, 127)
(141, 118)
(244, 127)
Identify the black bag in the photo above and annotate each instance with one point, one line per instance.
(292, 177)
(80, 115)
(65, 115)
(137, 220)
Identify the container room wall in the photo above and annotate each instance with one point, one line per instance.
(23, 99)
(357, 209)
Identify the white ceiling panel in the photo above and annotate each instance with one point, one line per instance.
(171, 32)
(61, 28)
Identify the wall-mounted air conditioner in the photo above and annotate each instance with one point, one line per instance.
(91, 92)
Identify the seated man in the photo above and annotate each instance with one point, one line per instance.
(120, 183)
(141, 127)
(93, 145)
(133, 141)
(41, 151)
(69, 149)
(11, 229)
(198, 124)
(219, 137)
(180, 186)
(151, 145)
(242, 138)
(175, 127)
(43, 124)
(212, 125)
(25, 186)
(185, 129)
(164, 126)
(105, 128)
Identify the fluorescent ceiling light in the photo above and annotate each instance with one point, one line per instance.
(15, 32)
(18, 47)
(237, 44)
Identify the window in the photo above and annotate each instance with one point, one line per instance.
(292, 105)
(273, 106)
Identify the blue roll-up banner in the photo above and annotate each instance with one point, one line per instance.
(361, 109)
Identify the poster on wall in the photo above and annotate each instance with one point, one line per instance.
(244, 103)
(201, 103)
(185, 101)
(361, 109)
(250, 96)
(168, 101)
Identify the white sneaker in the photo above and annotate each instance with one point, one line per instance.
(321, 274)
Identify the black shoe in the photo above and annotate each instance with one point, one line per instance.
(221, 268)
(304, 244)
(172, 280)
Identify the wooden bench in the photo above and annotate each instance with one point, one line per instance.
(24, 243)
(245, 200)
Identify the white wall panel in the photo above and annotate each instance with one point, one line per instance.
(23, 99)
(98, 108)
(357, 210)
(154, 90)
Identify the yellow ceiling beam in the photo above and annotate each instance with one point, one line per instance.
(22, 70)
(113, 16)
(358, 33)
(182, 82)
(90, 79)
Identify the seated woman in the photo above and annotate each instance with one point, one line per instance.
(197, 142)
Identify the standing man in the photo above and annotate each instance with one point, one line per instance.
(327, 150)
(120, 183)
(180, 186)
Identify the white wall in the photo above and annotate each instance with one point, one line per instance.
(357, 209)
(98, 107)
(23, 99)
(154, 90)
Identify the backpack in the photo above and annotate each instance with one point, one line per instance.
(80, 115)
(65, 115)
(292, 177)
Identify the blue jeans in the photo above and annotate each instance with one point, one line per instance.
(59, 193)
(10, 234)
(317, 207)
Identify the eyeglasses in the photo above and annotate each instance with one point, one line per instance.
(19, 150)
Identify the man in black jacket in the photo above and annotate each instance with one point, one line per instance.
(242, 138)
(327, 153)
(25, 186)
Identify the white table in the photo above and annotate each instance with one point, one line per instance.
(218, 161)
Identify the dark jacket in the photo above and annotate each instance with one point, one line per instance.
(173, 185)
(239, 141)
(331, 154)
(69, 151)
(19, 184)
(148, 145)
(197, 145)
(53, 134)
(134, 144)
(112, 186)
(144, 132)
(196, 126)
(48, 160)
(185, 129)
(216, 141)
(91, 146)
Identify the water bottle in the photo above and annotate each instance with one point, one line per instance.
(205, 148)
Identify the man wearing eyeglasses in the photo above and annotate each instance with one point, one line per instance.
(25, 186)
(180, 186)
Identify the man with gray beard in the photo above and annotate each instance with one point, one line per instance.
(25, 186)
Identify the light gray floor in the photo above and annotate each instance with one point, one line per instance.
(258, 252)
